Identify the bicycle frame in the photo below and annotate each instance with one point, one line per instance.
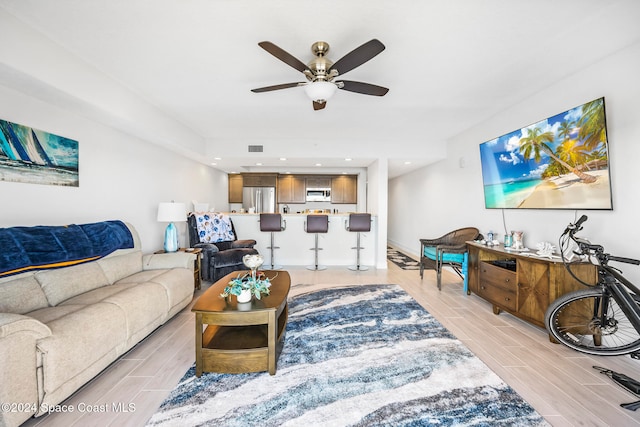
(617, 289)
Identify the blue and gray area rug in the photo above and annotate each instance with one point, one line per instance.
(365, 355)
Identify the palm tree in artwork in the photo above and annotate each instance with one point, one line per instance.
(566, 129)
(537, 141)
(592, 131)
(572, 153)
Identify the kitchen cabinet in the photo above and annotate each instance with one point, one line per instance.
(235, 188)
(291, 189)
(259, 180)
(318, 182)
(344, 189)
(522, 285)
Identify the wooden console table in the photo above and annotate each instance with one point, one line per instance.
(244, 337)
(520, 284)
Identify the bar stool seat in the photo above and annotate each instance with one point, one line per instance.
(358, 223)
(272, 223)
(316, 224)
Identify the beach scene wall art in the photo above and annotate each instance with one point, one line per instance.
(558, 163)
(37, 157)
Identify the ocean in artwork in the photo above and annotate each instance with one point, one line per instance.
(510, 194)
(33, 156)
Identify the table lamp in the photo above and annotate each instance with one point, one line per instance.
(170, 212)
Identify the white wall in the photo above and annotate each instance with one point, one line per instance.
(121, 177)
(429, 202)
(377, 186)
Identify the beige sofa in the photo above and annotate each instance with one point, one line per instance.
(60, 328)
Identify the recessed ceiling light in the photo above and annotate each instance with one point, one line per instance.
(347, 159)
(217, 158)
(258, 164)
(283, 158)
(214, 164)
(407, 163)
(318, 164)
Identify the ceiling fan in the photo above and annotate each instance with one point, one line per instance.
(321, 73)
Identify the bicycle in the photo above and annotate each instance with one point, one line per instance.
(604, 319)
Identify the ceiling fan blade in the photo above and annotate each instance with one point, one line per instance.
(277, 87)
(364, 88)
(284, 56)
(358, 56)
(319, 105)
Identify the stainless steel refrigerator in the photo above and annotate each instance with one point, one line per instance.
(259, 199)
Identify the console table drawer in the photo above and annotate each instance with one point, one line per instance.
(491, 275)
(503, 297)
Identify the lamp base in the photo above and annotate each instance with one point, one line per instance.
(171, 238)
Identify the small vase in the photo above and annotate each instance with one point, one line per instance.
(245, 296)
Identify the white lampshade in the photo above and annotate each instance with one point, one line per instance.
(170, 212)
(320, 91)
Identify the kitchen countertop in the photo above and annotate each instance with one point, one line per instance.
(297, 214)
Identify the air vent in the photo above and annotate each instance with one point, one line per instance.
(255, 148)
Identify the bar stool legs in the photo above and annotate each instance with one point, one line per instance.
(273, 265)
(317, 224)
(358, 223)
(316, 266)
(358, 267)
(272, 223)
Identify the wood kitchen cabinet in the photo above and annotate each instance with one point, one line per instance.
(259, 180)
(522, 285)
(318, 182)
(344, 189)
(291, 189)
(235, 188)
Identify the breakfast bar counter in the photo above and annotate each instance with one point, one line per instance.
(295, 243)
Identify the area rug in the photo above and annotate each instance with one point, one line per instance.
(365, 355)
(401, 260)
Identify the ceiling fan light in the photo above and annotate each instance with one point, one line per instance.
(320, 91)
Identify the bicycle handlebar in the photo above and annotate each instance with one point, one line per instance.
(625, 260)
(598, 250)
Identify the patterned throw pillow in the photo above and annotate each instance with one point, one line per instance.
(214, 227)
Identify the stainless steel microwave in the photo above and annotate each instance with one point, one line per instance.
(318, 194)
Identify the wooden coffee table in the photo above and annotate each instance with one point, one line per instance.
(241, 337)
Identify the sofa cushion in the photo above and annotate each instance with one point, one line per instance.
(116, 266)
(21, 294)
(62, 284)
(145, 307)
(49, 314)
(173, 282)
(80, 339)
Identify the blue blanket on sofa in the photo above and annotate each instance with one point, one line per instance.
(34, 248)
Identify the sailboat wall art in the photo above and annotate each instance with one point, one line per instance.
(561, 162)
(33, 156)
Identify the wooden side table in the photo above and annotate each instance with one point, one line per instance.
(197, 264)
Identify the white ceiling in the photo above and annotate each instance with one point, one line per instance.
(449, 64)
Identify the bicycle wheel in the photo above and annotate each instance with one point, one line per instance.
(576, 320)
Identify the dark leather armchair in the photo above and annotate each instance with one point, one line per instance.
(223, 257)
(449, 250)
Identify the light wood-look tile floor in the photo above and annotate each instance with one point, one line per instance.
(560, 383)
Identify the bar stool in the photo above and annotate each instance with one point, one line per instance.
(358, 222)
(272, 223)
(316, 224)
